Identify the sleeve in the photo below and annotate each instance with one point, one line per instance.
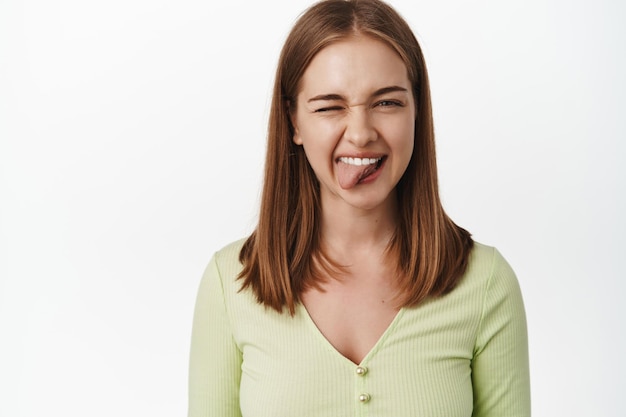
(500, 371)
(215, 359)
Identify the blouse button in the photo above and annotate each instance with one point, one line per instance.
(361, 370)
(364, 398)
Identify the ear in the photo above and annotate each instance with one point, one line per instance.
(297, 139)
(292, 118)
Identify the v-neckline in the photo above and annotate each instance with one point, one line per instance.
(372, 352)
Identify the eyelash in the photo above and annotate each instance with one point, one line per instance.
(387, 103)
(382, 103)
(326, 109)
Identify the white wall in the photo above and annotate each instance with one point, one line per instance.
(131, 147)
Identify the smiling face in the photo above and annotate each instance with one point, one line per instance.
(355, 118)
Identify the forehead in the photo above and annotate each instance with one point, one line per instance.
(353, 67)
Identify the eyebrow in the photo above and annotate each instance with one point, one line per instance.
(379, 92)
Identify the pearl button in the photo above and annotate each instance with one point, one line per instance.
(364, 398)
(361, 370)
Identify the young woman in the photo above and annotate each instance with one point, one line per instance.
(356, 295)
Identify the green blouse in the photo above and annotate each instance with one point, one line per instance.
(464, 354)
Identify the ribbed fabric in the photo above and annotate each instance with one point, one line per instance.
(461, 355)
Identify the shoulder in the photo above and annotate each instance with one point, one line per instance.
(488, 277)
(488, 263)
(495, 279)
(224, 266)
(228, 256)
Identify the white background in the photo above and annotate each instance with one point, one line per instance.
(132, 135)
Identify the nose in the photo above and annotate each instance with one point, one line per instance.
(359, 128)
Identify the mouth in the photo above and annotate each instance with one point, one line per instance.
(353, 171)
(361, 161)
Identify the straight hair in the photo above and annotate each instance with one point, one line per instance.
(283, 256)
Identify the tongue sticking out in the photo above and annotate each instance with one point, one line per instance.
(350, 175)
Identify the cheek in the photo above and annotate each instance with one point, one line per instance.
(403, 135)
(318, 155)
(322, 129)
(320, 139)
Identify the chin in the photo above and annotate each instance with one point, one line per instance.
(369, 202)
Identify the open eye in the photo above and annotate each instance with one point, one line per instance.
(389, 103)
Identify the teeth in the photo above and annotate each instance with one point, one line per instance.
(359, 161)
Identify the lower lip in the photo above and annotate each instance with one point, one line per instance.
(374, 175)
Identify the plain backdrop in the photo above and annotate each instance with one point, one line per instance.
(132, 138)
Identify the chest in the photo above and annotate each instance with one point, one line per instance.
(422, 361)
(351, 318)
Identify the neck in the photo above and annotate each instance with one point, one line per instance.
(348, 231)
